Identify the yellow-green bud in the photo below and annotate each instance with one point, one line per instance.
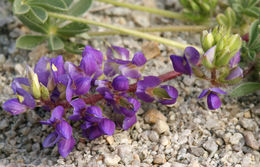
(207, 41)
(35, 84)
(45, 92)
(209, 58)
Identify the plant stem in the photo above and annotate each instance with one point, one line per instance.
(92, 99)
(160, 12)
(124, 30)
(155, 29)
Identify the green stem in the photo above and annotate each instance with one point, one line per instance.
(156, 29)
(123, 30)
(160, 12)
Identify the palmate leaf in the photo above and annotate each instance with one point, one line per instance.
(80, 7)
(27, 21)
(245, 89)
(19, 8)
(29, 41)
(39, 13)
(72, 29)
(55, 43)
(52, 5)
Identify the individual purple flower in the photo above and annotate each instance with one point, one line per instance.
(235, 60)
(168, 96)
(21, 83)
(95, 124)
(14, 107)
(212, 97)
(118, 61)
(120, 83)
(63, 132)
(79, 108)
(145, 87)
(183, 63)
(235, 73)
(42, 69)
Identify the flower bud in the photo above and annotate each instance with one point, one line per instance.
(35, 84)
(45, 92)
(207, 40)
(209, 57)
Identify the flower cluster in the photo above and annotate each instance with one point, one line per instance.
(59, 86)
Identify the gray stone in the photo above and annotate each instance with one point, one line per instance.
(249, 124)
(236, 138)
(153, 136)
(3, 124)
(251, 141)
(125, 153)
(111, 159)
(164, 141)
(211, 146)
(197, 151)
(2, 59)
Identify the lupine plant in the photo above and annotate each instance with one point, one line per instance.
(105, 93)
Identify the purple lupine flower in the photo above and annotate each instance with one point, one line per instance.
(120, 83)
(183, 63)
(20, 82)
(235, 73)
(170, 97)
(235, 60)
(63, 132)
(14, 107)
(79, 107)
(96, 124)
(118, 61)
(212, 97)
(144, 87)
(42, 69)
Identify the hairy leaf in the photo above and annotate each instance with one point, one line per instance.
(55, 43)
(29, 41)
(27, 21)
(39, 13)
(80, 7)
(52, 5)
(245, 89)
(20, 8)
(72, 29)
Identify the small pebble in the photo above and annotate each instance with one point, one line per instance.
(236, 138)
(153, 115)
(251, 141)
(159, 159)
(161, 127)
(211, 146)
(153, 136)
(111, 159)
(164, 141)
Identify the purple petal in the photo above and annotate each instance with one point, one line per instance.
(42, 69)
(192, 54)
(93, 53)
(82, 85)
(210, 54)
(14, 106)
(130, 109)
(55, 95)
(145, 97)
(65, 146)
(110, 68)
(69, 91)
(79, 105)
(120, 54)
(18, 83)
(64, 129)
(139, 59)
(88, 65)
(235, 73)
(57, 67)
(235, 59)
(181, 64)
(107, 126)
(204, 93)
(28, 100)
(93, 114)
(128, 122)
(213, 101)
(129, 72)
(73, 71)
(93, 132)
(218, 90)
(86, 125)
(120, 83)
(149, 82)
(51, 139)
(173, 94)
(57, 113)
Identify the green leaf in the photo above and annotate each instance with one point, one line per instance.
(33, 25)
(253, 34)
(52, 5)
(80, 7)
(245, 89)
(55, 43)
(253, 12)
(39, 13)
(20, 8)
(29, 41)
(68, 2)
(72, 29)
(74, 47)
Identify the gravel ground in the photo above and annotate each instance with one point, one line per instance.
(186, 134)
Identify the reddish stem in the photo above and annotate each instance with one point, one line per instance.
(92, 99)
